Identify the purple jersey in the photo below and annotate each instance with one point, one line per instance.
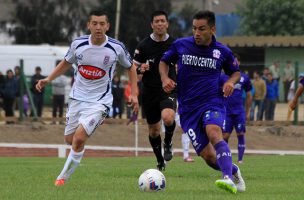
(302, 81)
(234, 103)
(198, 74)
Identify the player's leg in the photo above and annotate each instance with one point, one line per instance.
(227, 128)
(150, 105)
(168, 117)
(240, 128)
(168, 108)
(213, 122)
(155, 141)
(75, 155)
(78, 129)
(185, 144)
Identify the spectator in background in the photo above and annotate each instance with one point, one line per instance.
(288, 77)
(265, 72)
(117, 92)
(272, 94)
(9, 94)
(274, 69)
(2, 82)
(259, 86)
(17, 78)
(58, 92)
(37, 96)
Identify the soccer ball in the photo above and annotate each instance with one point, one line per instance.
(152, 180)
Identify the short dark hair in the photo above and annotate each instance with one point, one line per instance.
(98, 13)
(38, 68)
(237, 56)
(158, 13)
(206, 14)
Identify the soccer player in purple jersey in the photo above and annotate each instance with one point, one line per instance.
(235, 113)
(200, 60)
(299, 91)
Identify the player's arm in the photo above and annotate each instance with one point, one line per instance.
(134, 88)
(229, 84)
(294, 102)
(61, 68)
(248, 104)
(168, 84)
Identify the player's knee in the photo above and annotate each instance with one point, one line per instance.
(68, 140)
(78, 142)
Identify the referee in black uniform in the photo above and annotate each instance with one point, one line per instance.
(156, 103)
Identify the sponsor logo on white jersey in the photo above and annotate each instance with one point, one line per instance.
(91, 72)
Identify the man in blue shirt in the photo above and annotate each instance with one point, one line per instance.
(200, 60)
(236, 115)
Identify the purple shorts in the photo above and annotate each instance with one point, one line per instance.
(195, 126)
(236, 121)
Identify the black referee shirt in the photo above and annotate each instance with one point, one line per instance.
(152, 51)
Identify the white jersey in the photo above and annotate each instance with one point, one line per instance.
(95, 68)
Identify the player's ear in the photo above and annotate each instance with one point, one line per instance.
(213, 30)
(108, 26)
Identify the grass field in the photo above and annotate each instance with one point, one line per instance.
(267, 177)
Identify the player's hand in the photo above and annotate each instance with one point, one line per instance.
(228, 88)
(144, 67)
(41, 83)
(168, 85)
(134, 103)
(293, 104)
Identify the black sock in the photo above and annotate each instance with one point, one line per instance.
(169, 130)
(156, 146)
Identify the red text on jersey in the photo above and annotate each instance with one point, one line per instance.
(91, 72)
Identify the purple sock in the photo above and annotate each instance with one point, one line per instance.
(224, 159)
(241, 147)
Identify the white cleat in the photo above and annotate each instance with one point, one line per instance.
(239, 181)
(226, 184)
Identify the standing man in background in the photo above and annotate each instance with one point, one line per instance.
(156, 103)
(37, 95)
(58, 91)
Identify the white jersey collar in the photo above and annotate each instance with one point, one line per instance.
(103, 44)
(156, 40)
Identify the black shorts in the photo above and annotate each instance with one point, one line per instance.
(154, 100)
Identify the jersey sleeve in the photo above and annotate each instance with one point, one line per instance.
(139, 56)
(247, 84)
(171, 55)
(230, 64)
(302, 81)
(70, 55)
(124, 57)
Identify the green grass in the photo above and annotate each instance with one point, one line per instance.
(267, 177)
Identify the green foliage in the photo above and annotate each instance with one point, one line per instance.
(267, 177)
(48, 21)
(272, 17)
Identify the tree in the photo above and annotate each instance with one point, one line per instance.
(47, 21)
(272, 17)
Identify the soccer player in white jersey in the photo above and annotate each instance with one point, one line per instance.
(96, 56)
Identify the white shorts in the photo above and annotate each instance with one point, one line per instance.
(89, 115)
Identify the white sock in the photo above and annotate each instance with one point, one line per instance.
(185, 144)
(71, 164)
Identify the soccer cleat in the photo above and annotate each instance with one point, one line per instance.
(168, 153)
(226, 184)
(239, 181)
(189, 159)
(59, 182)
(161, 166)
(240, 162)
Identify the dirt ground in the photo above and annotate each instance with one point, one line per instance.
(119, 134)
